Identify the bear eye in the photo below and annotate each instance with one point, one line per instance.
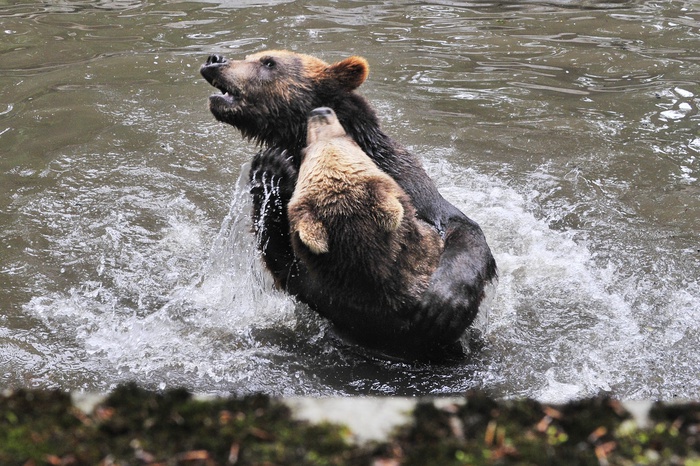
(268, 62)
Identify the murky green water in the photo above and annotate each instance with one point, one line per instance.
(568, 130)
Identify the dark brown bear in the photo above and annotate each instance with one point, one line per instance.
(268, 97)
(353, 226)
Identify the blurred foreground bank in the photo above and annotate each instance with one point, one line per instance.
(133, 426)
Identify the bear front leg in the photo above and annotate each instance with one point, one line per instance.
(456, 289)
(272, 180)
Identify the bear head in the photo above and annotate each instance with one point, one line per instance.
(268, 95)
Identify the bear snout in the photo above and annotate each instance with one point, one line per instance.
(322, 116)
(215, 59)
(321, 112)
(211, 69)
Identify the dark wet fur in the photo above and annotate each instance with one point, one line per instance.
(427, 329)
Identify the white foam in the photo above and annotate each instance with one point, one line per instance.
(199, 336)
(554, 324)
(165, 312)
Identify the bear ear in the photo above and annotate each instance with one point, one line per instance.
(350, 73)
(391, 214)
(312, 233)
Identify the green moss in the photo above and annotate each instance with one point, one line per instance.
(32, 425)
(134, 427)
(523, 432)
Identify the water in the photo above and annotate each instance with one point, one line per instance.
(568, 130)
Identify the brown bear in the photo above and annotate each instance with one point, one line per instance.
(268, 97)
(353, 226)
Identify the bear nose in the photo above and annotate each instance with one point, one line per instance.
(321, 111)
(215, 59)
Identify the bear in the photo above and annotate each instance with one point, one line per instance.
(268, 96)
(353, 226)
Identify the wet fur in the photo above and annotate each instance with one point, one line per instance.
(271, 95)
(354, 227)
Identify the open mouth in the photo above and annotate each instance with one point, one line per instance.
(230, 96)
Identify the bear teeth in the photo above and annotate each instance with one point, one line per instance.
(231, 93)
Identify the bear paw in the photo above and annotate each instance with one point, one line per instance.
(273, 174)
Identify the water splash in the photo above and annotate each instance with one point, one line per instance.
(127, 325)
(559, 324)
(233, 276)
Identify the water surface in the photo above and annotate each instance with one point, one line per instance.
(568, 130)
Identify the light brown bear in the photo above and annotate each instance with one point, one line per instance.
(355, 228)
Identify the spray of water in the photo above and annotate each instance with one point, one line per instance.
(165, 311)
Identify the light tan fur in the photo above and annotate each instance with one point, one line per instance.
(332, 179)
(312, 233)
